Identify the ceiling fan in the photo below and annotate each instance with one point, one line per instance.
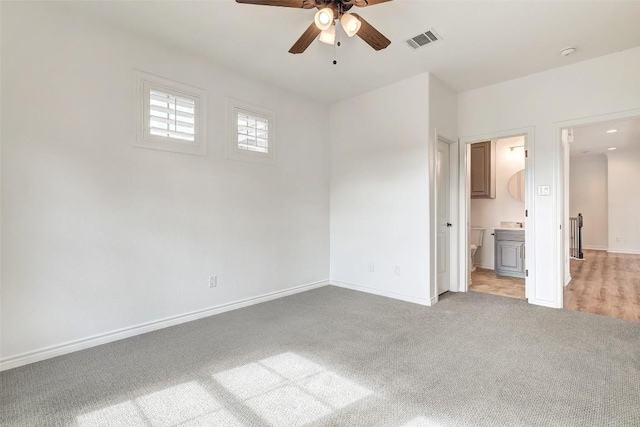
(324, 23)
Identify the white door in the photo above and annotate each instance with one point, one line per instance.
(444, 225)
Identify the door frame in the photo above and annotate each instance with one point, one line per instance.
(562, 215)
(453, 213)
(453, 266)
(465, 203)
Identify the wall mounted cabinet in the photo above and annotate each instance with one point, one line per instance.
(483, 170)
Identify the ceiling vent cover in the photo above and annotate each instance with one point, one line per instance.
(423, 39)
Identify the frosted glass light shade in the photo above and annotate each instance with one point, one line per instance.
(323, 18)
(328, 36)
(350, 24)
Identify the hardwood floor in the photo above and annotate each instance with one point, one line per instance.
(605, 283)
(486, 281)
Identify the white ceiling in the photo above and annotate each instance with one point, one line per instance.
(483, 42)
(589, 140)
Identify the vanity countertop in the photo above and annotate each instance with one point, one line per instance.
(508, 229)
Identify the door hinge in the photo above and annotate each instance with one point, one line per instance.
(526, 273)
(560, 226)
(526, 153)
(526, 213)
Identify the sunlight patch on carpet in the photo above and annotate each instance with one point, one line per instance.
(122, 414)
(422, 422)
(289, 389)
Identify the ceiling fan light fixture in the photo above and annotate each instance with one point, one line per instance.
(328, 36)
(350, 24)
(324, 18)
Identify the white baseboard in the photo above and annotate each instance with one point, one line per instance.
(408, 298)
(485, 267)
(620, 251)
(567, 280)
(543, 303)
(594, 248)
(72, 346)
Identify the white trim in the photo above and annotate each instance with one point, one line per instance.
(562, 186)
(231, 147)
(143, 139)
(595, 248)
(545, 303)
(486, 267)
(529, 145)
(432, 285)
(368, 290)
(567, 280)
(81, 344)
(622, 251)
(453, 213)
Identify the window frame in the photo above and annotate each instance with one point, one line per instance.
(144, 83)
(233, 152)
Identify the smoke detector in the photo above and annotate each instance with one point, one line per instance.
(567, 51)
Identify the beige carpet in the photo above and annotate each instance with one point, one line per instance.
(333, 357)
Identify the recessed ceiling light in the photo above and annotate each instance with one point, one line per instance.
(612, 131)
(612, 148)
(567, 51)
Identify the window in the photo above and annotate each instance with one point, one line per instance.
(252, 133)
(171, 115)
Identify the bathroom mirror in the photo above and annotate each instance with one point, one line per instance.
(516, 185)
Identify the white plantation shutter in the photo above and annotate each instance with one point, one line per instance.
(172, 116)
(253, 133)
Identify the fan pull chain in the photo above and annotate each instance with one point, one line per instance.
(336, 46)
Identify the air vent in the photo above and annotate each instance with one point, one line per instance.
(423, 39)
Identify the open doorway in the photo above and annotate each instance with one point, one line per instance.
(513, 165)
(602, 201)
(497, 178)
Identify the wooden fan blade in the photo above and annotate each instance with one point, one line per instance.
(300, 4)
(305, 39)
(371, 36)
(364, 3)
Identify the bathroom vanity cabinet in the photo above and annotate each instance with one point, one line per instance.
(510, 252)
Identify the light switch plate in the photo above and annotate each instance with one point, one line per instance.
(544, 190)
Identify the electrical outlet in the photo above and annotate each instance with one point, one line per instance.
(372, 267)
(397, 270)
(213, 281)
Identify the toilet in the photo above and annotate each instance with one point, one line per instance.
(475, 239)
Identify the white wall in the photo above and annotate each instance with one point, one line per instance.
(443, 121)
(624, 201)
(588, 196)
(488, 213)
(98, 235)
(599, 86)
(380, 190)
(443, 109)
